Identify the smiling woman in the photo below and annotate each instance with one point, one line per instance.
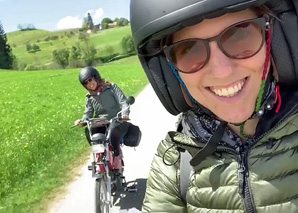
(224, 69)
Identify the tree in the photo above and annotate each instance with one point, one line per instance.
(7, 59)
(24, 27)
(83, 36)
(122, 22)
(61, 57)
(84, 24)
(35, 47)
(127, 44)
(75, 56)
(88, 51)
(105, 22)
(28, 47)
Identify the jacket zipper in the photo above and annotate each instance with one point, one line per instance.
(244, 188)
(241, 152)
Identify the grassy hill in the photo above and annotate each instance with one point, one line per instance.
(104, 41)
(38, 149)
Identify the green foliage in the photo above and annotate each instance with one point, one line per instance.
(84, 24)
(35, 47)
(110, 50)
(25, 27)
(53, 38)
(61, 57)
(83, 36)
(7, 59)
(105, 22)
(83, 54)
(43, 58)
(32, 48)
(38, 148)
(127, 44)
(122, 22)
(75, 57)
(28, 47)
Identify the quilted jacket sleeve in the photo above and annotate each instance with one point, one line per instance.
(89, 111)
(120, 97)
(162, 193)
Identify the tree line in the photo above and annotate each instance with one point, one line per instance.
(7, 59)
(75, 56)
(106, 23)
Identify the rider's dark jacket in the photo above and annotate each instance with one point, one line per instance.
(108, 100)
(260, 175)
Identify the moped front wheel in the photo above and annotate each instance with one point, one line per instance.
(102, 198)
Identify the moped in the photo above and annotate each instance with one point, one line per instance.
(110, 183)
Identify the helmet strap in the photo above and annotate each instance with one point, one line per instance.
(265, 71)
(242, 130)
(175, 72)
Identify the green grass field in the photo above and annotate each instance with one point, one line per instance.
(101, 40)
(38, 148)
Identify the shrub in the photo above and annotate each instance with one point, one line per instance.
(127, 44)
(61, 57)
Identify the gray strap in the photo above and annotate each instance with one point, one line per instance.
(185, 169)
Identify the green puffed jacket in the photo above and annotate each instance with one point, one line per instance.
(262, 176)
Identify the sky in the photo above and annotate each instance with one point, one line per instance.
(56, 15)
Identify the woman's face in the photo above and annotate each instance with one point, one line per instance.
(228, 87)
(91, 84)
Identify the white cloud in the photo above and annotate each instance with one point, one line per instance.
(69, 22)
(96, 15)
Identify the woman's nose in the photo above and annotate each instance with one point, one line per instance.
(221, 65)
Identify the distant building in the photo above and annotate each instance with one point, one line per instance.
(97, 27)
(112, 25)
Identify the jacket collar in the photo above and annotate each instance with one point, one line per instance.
(289, 106)
(200, 126)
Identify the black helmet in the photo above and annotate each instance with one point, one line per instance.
(149, 26)
(88, 72)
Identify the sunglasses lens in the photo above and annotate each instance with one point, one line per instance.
(238, 41)
(188, 56)
(88, 80)
(242, 41)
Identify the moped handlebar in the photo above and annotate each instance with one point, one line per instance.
(103, 119)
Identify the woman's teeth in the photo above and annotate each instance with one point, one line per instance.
(228, 92)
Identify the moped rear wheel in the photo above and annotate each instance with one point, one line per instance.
(102, 200)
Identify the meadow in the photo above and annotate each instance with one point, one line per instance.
(104, 41)
(38, 149)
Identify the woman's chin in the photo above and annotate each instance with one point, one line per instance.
(235, 118)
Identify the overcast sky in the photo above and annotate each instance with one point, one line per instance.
(58, 14)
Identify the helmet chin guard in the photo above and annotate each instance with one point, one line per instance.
(167, 19)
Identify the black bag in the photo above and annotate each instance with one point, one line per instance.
(133, 136)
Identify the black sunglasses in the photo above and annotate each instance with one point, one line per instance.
(88, 80)
(241, 40)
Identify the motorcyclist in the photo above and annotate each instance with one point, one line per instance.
(104, 97)
(231, 69)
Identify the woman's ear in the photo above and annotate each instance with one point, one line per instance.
(188, 101)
